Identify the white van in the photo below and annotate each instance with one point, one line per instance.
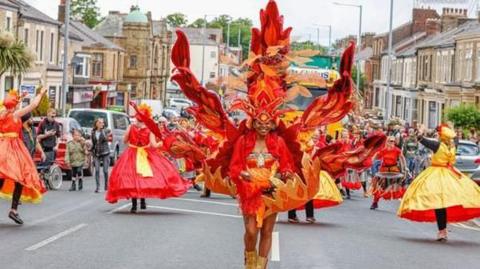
(116, 122)
(179, 103)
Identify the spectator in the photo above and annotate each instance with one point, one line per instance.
(101, 151)
(29, 136)
(48, 133)
(75, 157)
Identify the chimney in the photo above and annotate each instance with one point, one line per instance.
(114, 12)
(433, 27)
(61, 11)
(452, 18)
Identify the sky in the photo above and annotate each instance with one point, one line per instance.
(304, 16)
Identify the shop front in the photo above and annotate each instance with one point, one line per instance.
(80, 96)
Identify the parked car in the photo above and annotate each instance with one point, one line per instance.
(178, 104)
(468, 159)
(170, 113)
(116, 122)
(67, 125)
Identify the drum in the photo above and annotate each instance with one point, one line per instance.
(389, 185)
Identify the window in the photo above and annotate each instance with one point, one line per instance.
(97, 65)
(157, 54)
(212, 37)
(8, 83)
(119, 122)
(39, 45)
(8, 24)
(377, 97)
(478, 65)
(398, 106)
(432, 114)
(133, 91)
(212, 75)
(213, 54)
(133, 61)
(406, 109)
(52, 46)
(25, 36)
(81, 66)
(468, 64)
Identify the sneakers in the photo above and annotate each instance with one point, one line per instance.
(311, 220)
(197, 187)
(374, 206)
(442, 235)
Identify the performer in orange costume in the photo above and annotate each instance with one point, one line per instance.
(261, 160)
(141, 171)
(19, 179)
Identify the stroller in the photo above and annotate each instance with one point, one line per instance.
(50, 172)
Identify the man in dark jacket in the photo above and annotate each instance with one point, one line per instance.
(48, 132)
(29, 136)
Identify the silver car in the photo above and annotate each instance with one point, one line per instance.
(116, 122)
(468, 159)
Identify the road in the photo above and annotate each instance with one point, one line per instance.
(80, 230)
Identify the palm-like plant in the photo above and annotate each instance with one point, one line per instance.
(15, 57)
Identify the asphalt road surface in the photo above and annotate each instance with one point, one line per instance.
(80, 230)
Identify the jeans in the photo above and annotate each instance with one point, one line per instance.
(106, 163)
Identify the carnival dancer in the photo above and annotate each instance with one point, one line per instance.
(261, 160)
(19, 180)
(441, 193)
(387, 183)
(141, 171)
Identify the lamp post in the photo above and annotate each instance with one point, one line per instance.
(329, 35)
(389, 65)
(65, 59)
(359, 42)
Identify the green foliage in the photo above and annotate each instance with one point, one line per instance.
(43, 107)
(362, 78)
(464, 116)
(177, 20)
(198, 23)
(86, 11)
(15, 57)
(305, 45)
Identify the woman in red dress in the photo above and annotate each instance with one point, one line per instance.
(141, 171)
(392, 160)
(19, 180)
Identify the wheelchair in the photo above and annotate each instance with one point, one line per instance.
(50, 172)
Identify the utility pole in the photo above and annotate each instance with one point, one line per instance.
(203, 49)
(389, 65)
(65, 59)
(228, 36)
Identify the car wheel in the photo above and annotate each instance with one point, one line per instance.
(55, 177)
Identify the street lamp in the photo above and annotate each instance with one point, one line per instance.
(389, 65)
(329, 35)
(359, 42)
(65, 58)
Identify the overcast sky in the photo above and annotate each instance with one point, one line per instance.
(303, 15)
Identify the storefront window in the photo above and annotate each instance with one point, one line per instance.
(120, 99)
(432, 114)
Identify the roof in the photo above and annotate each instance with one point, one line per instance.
(364, 54)
(9, 4)
(90, 37)
(472, 31)
(32, 13)
(111, 25)
(447, 39)
(136, 16)
(196, 36)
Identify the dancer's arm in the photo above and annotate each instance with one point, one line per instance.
(34, 104)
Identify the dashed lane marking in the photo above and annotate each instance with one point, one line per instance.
(275, 247)
(206, 202)
(56, 237)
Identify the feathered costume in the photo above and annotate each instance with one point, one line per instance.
(284, 177)
(16, 164)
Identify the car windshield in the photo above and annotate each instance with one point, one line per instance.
(467, 150)
(301, 103)
(87, 118)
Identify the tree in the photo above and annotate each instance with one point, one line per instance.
(464, 116)
(43, 107)
(362, 79)
(198, 23)
(177, 20)
(87, 11)
(15, 57)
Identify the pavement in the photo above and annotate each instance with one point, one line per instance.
(80, 230)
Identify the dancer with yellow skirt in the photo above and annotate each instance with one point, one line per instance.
(441, 193)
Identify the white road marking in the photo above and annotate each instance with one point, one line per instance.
(118, 208)
(46, 219)
(56, 237)
(196, 211)
(275, 247)
(464, 226)
(206, 202)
